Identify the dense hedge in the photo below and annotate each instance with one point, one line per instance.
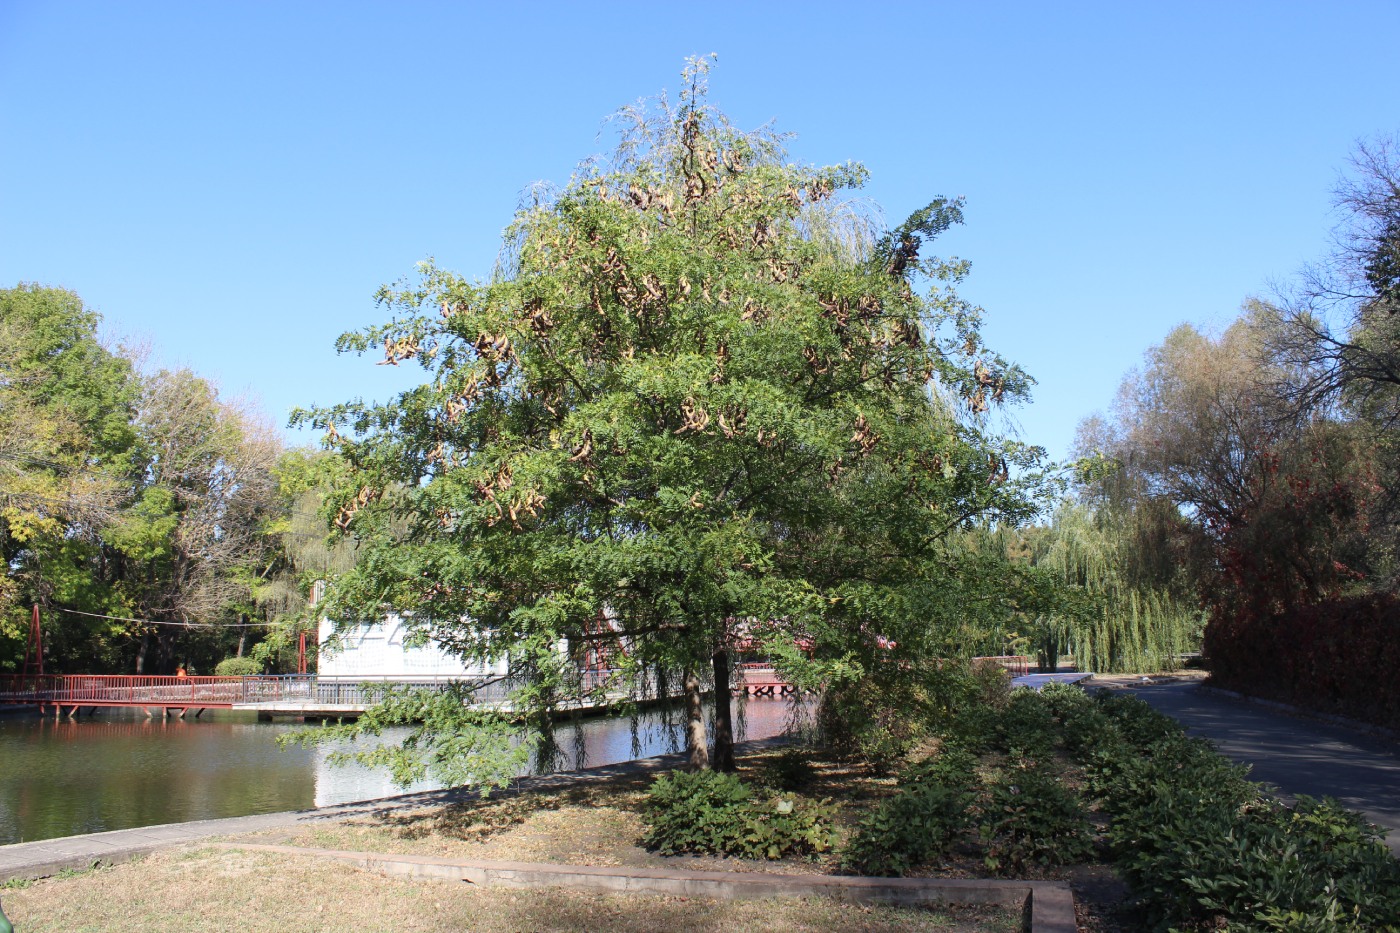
(1201, 847)
(1335, 657)
(238, 667)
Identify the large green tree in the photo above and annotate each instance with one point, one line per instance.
(701, 403)
(67, 445)
(134, 509)
(187, 549)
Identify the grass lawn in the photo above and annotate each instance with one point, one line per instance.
(204, 890)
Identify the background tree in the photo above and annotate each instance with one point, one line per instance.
(1273, 501)
(1338, 332)
(300, 553)
(183, 552)
(66, 449)
(700, 404)
(123, 497)
(1123, 599)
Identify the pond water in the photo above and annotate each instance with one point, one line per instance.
(118, 769)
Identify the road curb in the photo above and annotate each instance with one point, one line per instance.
(1355, 725)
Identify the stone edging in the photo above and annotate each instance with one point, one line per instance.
(1048, 905)
(1303, 713)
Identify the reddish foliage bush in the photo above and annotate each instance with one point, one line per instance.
(1340, 656)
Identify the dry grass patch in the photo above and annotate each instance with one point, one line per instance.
(596, 823)
(214, 890)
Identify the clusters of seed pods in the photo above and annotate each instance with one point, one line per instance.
(864, 437)
(364, 497)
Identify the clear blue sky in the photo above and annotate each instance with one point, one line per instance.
(232, 181)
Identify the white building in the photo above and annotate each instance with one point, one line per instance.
(376, 651)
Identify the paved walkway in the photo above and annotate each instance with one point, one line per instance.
(48, 856)
(1297, 755)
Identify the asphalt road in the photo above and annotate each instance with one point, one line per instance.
(1297, 755)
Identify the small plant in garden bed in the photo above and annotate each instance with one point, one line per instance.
(1030, 816)
(789, 770)
(920, 822)
(710, 812)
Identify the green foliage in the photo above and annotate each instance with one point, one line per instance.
(876, 722)
(1193, 857)
(449, 741)
(717, 813)
(790, 770)
(699, 388)
(920, 822)
(238, 667)
(66, 444)
(123, 494)
(1124, 605)
(1201, 845)
(1031, 816)
(1026, 726)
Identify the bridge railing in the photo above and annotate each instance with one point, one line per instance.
(131, 689)
(158, 690)
(1016, 664)
(363, 691)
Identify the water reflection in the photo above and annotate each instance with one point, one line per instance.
(118, 770)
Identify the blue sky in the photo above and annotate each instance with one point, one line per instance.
(232, 181)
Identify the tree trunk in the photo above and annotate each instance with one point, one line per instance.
(724, 717)
(141, 653)
(696, 742)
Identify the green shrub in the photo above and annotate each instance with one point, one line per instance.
(1140, 723)
(920, 822)
(790, 770)
(711, 812)
(876, 723)
(1026, 725)
(238, 667)
(786, 824)
(1068, 703)
(1031, 816)
(1262, 866)
(1202, 846)
(954, 685)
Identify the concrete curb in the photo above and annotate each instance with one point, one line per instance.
(1049, 905)
(1303, 713)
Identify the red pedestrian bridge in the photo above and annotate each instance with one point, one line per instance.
(301, 694)
(171, 695)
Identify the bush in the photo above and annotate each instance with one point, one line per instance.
(1026, 725)
(1195, 860)
(920, 822)
(711, 812)
(1030, 815)
(238, 667)
(1202, 846)
(1315, 656)
(790, 770)
(877, 723)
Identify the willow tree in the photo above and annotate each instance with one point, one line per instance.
(1124, 602)
(700, 402)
